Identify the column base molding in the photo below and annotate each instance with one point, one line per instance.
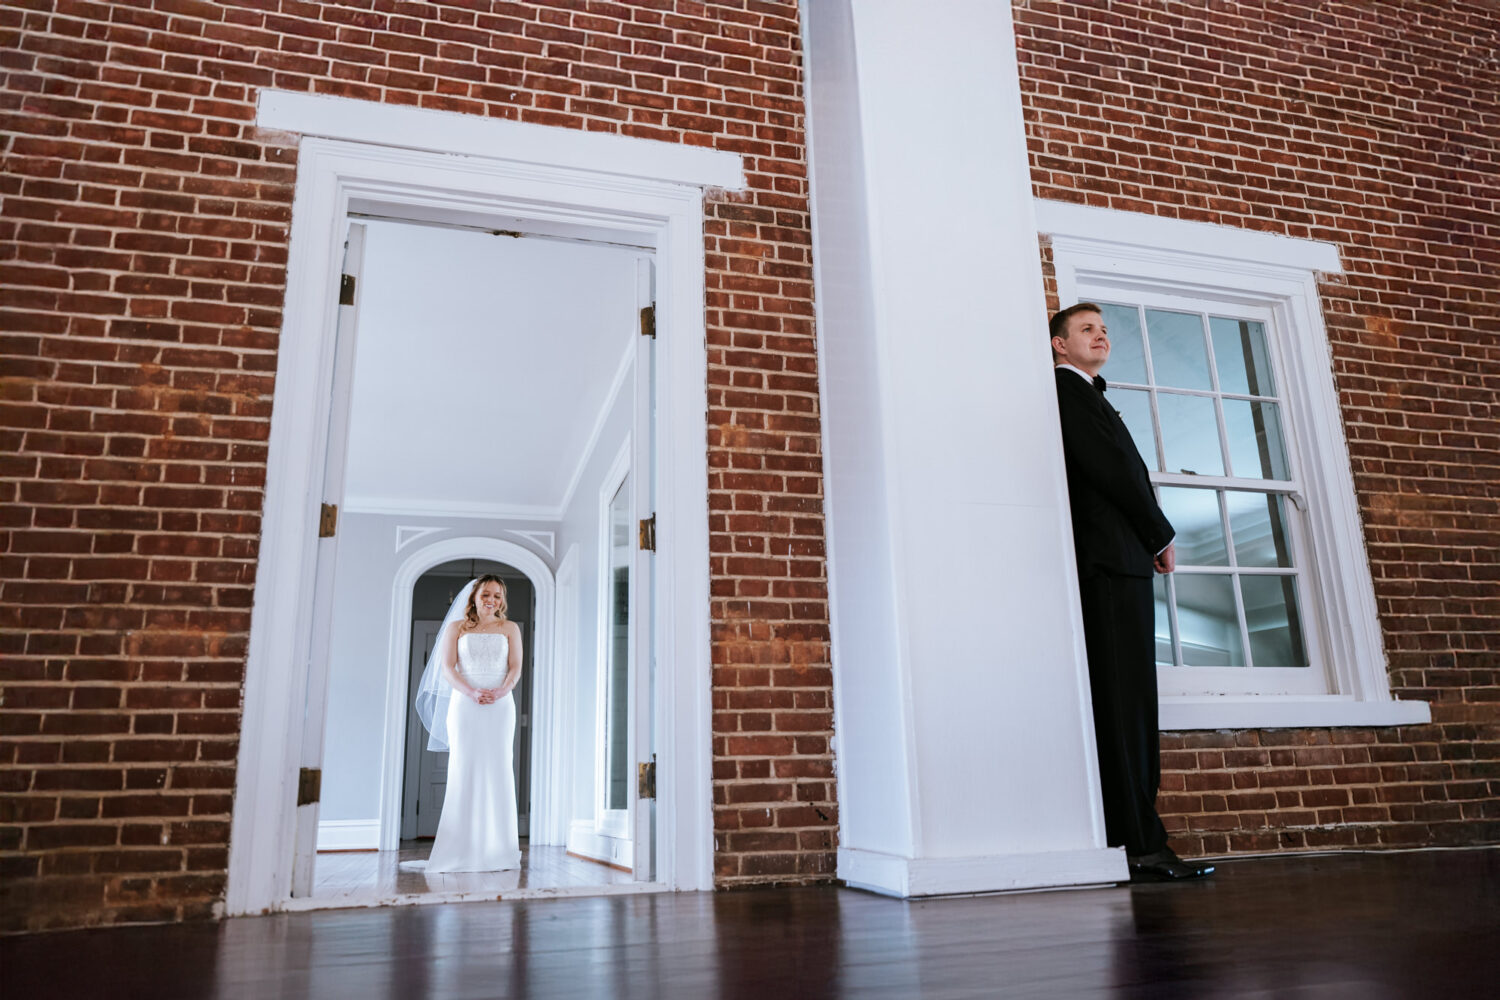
(891, 875)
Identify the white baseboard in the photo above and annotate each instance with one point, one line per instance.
(586, 842)
(349, 835)
(892, 875)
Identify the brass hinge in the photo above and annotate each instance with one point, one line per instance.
(346, 289)
(645, 783)
(648, 534)
(648, 322)
(328, 520)
(309, 785)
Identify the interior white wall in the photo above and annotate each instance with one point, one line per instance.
(481, 365)
(370, 550)
(940, 406)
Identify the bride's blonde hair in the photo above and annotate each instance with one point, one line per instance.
(471, 612)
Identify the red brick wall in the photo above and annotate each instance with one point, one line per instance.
(142, 253)
(1371, 125)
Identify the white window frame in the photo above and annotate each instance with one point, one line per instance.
(1186, 681)
(1099, 252)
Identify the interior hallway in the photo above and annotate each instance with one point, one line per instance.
(1350, 925)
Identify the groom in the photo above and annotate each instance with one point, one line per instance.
(1120, 535)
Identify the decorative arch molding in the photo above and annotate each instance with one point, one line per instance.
(398, 665)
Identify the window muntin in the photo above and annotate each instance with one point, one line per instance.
(1198, 392)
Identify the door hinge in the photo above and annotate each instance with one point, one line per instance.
(648, 322)
(346, 289)
(648, 534)
(309, 785)
(328, 520)
(645, 784)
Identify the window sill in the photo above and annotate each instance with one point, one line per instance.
(1287, 712)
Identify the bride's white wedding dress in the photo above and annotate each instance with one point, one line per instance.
(477, 831)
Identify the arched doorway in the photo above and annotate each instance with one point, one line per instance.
(545, 746)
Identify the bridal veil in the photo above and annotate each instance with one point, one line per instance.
(434, 691)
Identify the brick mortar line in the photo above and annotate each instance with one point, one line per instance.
(762, 115)
(178, 21)
(239, 352)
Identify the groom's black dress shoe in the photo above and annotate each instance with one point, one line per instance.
(1165, 866)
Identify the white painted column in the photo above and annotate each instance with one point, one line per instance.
(965, 748)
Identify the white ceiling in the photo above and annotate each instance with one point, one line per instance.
(481, 369)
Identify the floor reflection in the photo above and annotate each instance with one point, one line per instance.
(1398, 925)
(353, 875)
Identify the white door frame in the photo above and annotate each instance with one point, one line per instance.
(544, 793)
(555, 180)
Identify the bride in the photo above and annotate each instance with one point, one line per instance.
(477, 657)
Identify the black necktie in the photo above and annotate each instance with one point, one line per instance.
(1099, 383)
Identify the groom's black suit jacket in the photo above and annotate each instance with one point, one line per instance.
(1117, 526)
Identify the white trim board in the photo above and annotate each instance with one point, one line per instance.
(662, 211)
(348, 834)
(497, 138)
(890, 875)
(587, 842)
(430, 507)
(1271, 712)
(1201, 239)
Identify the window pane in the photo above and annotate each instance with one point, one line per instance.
(1200, 532)
(1190, 434)
(1134, 406)
(1164, 656)
(1257, 523)
(1179, 355)
(1275, 628)
(1256, 450)
(1127, 356)
(1208, 622)
(1240, 355)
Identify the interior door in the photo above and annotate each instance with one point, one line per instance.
(426, 775)
(643, 581)
(324, 510)
(521, 748)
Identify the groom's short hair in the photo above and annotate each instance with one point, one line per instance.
(1058, 326)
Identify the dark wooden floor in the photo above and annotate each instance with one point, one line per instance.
(1358, 926)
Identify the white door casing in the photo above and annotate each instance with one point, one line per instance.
(642, 587)
(334, 452)
(646, 194)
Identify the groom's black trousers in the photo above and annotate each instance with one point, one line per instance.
(1118, 628)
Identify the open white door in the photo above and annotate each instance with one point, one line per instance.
(643, 583)
(321, 607)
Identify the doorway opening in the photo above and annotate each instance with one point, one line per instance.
(496, 384)
(424, 772)
(547, 184)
